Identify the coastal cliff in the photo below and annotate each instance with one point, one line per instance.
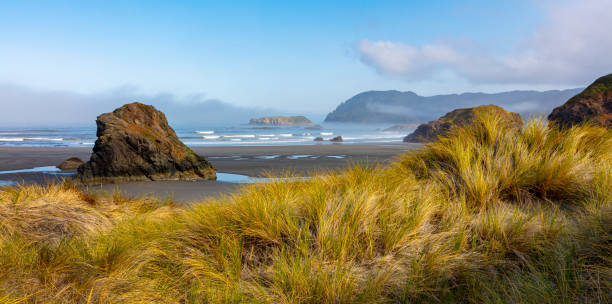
(593, 104)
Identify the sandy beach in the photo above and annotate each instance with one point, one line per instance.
(253, 161)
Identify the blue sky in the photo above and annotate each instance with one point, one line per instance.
(299, 57)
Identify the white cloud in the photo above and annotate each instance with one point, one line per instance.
(406, 60)
(572, 46)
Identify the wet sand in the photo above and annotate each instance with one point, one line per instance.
(254, 161)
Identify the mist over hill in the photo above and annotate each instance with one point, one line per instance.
(27, 107)
(408, 107)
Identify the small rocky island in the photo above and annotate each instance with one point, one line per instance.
(281, 121)
(460, 117)
(134, 143)
(594, 104)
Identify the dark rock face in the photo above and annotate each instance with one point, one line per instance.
(593, 104)
(318, 139)
(336, 139)
(135, 142)
(70, 164)
(432, 130)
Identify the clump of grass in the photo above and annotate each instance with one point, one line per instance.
(487, 161)
(486, 214)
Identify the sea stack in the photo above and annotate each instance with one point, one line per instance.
(135, 142)
(594, 104)
(460, 117)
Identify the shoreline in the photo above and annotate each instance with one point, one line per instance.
(253, 161)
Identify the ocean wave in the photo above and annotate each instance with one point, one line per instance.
(11, 139)
(205, 132)
(240, 136)
(267, 156)
(243, 142)
(298, 156)
(285, 135)
(211, 137)
(326, 133)
(367, 137)
(43, 138)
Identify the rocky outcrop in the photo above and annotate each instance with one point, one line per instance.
(337, 139)
(318, 139)
(281, 121)
(594, 104)
(432, 130)
(135, 142)
(70, 164)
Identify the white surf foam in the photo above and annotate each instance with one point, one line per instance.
(267, 156)
(205, 132)
(298, 156)
(327, 133)
(43, 138)
(11, 139)
(211, 137)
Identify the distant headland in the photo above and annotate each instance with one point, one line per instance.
(281, 121)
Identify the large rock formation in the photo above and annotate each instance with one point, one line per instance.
(135, 142)
(281, 121)
(430, 131)
(593, 104)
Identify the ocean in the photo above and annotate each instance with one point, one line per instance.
(212, 135)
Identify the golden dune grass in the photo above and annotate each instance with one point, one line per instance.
(485, 215)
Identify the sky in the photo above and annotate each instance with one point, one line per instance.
(294, 57)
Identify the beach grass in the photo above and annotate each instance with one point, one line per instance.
(485, 215)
